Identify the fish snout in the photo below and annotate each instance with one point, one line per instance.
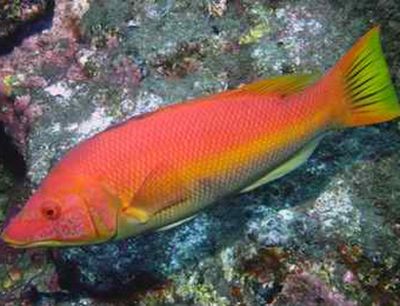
(13, 234)
(22, 232)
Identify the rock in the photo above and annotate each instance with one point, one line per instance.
(304, 289)
(110, 60)
(19, 19)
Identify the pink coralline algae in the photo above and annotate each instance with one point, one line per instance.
(349, 277)
(14, 14)
(56, 55)
(56, 47)
(51, 51)
(17, 116)
(307, 289)
(126, 72)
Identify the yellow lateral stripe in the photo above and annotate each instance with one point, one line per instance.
(228, 160)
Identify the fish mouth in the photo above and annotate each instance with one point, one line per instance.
(23, 244)
(13, 238)
(43, 243)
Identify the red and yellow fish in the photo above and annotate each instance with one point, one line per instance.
(160, 169)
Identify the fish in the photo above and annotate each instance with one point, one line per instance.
(160, 169)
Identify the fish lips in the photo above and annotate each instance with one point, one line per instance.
(21, 233)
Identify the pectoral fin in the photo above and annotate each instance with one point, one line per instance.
(136, 213)
(295, 161)
(161, 188)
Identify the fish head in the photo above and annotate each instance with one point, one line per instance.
(63, 217)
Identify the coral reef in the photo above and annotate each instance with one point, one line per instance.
(327, 234)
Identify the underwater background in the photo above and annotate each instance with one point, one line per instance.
(326, 234)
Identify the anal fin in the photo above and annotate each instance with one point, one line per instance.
(294, 162)
(175, 224)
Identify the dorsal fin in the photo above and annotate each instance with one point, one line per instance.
(284, 85)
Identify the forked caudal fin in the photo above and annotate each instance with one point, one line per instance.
(365, 86)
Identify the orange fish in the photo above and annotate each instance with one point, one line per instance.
(160, 169)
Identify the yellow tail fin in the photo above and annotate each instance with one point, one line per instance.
(365, 83)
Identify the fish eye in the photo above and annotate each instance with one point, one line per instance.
(50, 210)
